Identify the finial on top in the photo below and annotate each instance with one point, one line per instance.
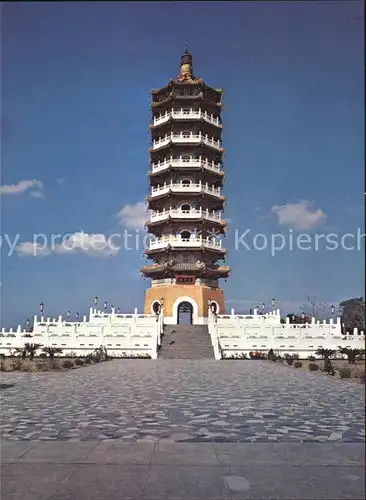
(186, 49)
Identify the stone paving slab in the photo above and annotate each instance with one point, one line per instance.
(116, 470)
(182, 400)
(181, 430)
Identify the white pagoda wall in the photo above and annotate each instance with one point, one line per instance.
(233, 335)
(121, 334)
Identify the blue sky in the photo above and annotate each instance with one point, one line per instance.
(75, 112)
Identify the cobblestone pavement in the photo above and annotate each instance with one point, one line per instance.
(182, 400)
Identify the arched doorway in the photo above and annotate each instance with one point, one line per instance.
(185, 313)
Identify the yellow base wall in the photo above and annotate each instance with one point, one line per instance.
(170, 293)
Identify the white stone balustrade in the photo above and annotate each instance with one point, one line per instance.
(132, 334)
(185, 214)
(237, 334)
(193, 242)
(183, 138)
(183, 114)
(185, 162)
(180, 187)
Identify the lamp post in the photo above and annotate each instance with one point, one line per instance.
(95, 301)
(105, 305)
(68, 314)
(77, 316)
(118, 310)
(263, 307)
(332, 311)
(112, 307)
(41, 307)
(273, 303)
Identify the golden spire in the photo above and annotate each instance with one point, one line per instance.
(186, 68)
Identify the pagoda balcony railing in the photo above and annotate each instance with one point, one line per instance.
(185, 214)
(183, 114)
(183, 187)
(186, 139)
(185, 162)
(177, 241)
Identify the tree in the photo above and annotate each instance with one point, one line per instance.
(28, 350)
(353, 314)
(31, 349)
(325, 353)
(51, 351)
(350, 353)
(315, 306)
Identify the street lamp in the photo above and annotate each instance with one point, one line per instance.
(105, 305)
(263, 307)
(41, 307)
(273, 303)
(118, 310)
(332, 311)
(68, 314)
(95, 301)
(77, 316)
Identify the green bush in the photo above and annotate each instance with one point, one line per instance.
(297, 364)
(79, 362)
(67, 364)
(313, 367)
(345, 372)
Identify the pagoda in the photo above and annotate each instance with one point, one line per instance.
(185, 202)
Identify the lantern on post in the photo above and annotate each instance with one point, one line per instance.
(68, 314)
(273, 303)
(332, 311)
(95, 301)
(77, 316)
(41, 307)
(105, 305)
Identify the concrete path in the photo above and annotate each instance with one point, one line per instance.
(181, 430)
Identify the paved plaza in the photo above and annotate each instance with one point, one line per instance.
(181, 429)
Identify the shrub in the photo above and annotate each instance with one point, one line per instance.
(313, 367)
(297, 364)
(295, 356)
(67, 364)
(361, 376)
(79, 362)
(88, 359)
(311, 358)
(345, 372)
(6, 365)
(17, 363)
(28, 366)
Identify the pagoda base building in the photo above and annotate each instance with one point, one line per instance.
(185, 202)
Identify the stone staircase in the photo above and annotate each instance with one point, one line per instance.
(186, 342)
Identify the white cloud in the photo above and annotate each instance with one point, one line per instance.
(133, 216)
(94, 245)
(22, 186)
(31, 248)
(301, 215)
(37, 194)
